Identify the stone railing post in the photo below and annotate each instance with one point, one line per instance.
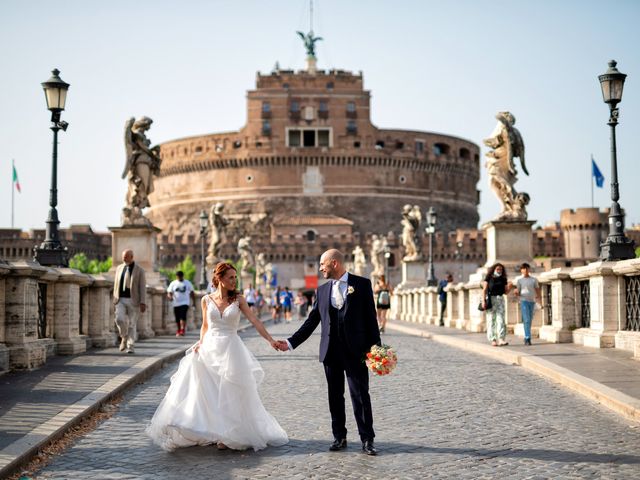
(415, 305)
(27, 349)
(605, 311)
(100, 317)
(424, 308)
(463, 306)
(433, 313)
(66, 322)
(626, 339)
(452, 306)
(512, 312)
(5, 268)
(144, 319)
(158, 297)
(477, 321)
(563, 311)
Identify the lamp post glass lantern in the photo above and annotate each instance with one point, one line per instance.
(617, 246)
(51, 252)
(430, 229)
(204, 226)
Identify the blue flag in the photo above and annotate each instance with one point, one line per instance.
(597, 174)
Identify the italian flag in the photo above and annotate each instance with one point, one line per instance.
(15, 179)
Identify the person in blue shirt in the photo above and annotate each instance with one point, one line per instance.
(442, 296)
(286, 300)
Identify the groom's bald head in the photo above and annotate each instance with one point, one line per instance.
(332, 264)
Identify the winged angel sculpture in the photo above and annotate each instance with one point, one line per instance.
(506, 142)
(309, 42)
(143, 162)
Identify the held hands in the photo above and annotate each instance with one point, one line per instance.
(280, 345)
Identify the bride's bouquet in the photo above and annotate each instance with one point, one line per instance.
(381, 360)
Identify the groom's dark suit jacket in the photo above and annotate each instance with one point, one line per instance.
(359, 322)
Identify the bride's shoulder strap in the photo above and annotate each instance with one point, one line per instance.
(206, 299)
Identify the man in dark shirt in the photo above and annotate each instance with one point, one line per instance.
(442, 296)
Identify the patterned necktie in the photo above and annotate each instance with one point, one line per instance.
(336, 294)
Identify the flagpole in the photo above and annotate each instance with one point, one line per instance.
(592, 180)
(13, 169)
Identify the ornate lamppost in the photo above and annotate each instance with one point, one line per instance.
(617, 246)
(459, 245)
(204, 227)
(430, 229)
(51, 252)
(387, 257)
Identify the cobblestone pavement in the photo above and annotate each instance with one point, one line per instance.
(443, 413)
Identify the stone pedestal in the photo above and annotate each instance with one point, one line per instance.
(477, 320)
(156, 303)
(508, 243)
(414, 274)
(451, 315)
(463, 307)
(66, 324)
(142, 239)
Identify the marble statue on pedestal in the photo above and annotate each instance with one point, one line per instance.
(506, 142)
(217, 228)
(359, 261)
(261, 270)
(246, 254)
(143, 162)
(411, 239)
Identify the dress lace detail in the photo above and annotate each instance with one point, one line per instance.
(213, 396)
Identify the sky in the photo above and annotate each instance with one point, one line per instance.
(441, 66)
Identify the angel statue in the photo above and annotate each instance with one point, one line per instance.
(309, 42)
(506, 142)
(143, 162)
(217, 227)
(359, 261)
(246, 254)
(261, 270)
(411, 218)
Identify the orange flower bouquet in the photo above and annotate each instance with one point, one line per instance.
(381, 360)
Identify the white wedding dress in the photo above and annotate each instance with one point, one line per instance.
(213, 397)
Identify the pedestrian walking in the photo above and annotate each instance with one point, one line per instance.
(528, 290)
(382, 291)
(494, 287)
(276, 307)
(250, 296)
(180, 292)
(129, 297)
(300, 304)
(442, 296)
(286, 300)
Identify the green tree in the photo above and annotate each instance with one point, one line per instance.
(637, 252)
(80, 262)
(187, 267)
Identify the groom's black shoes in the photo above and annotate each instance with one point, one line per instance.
(368, 448)
(338, 444)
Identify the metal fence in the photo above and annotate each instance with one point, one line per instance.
(585, 304)
(42, 310)
(632, 300)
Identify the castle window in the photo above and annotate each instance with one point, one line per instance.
(402, 179)
(323, 138)
(351, 107)
(379, 144)
(266, 128)
(352, 128)
(308, 138)
(329, 86)
(324, 107)
(237, 144)
(295, 107)
(266, 107)
(356, 144)
(311, 236)
(465, 153)
(399, 145)
(419, 147)
(294, 138)
(441, 149)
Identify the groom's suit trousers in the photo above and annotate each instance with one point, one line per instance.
(338, 362)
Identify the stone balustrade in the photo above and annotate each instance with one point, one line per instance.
(597, 305)
(59, 311)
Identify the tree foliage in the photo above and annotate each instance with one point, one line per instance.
(187, 267)
(80, 262)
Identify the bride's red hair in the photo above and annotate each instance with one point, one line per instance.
(220, 271)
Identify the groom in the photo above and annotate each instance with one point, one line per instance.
(345, 309)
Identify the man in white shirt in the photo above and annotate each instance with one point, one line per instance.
(180, 292)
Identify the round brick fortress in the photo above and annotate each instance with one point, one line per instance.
(309, 148)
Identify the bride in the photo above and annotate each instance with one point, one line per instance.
(213, 397)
